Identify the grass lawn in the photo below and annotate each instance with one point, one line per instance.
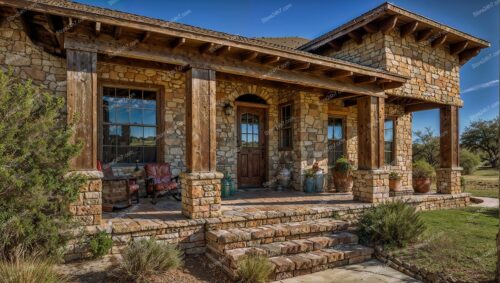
(458, 242)
(482, 183)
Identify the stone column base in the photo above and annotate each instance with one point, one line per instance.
(448, 180)
(371, 185)
(201, 194)
(88, 208)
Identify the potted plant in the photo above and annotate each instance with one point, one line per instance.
(342, 175)
(422, 176)
(309, 181)
(394, 182)
(319, 178)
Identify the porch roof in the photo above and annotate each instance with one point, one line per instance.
(52, 15)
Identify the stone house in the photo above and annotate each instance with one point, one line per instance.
(207, 102)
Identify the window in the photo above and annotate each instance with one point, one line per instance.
(336, 145)
(249, 130)
(389, 141)
(285, 126)
(129, 125)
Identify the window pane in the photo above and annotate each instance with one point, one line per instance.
(136, 136)
(338, 130)
(149, 117)
(123, 155)
(243, 128)
(122, 115)
(107, 154)
(149, 100)
(149, 136)
(149, 154)
(122, 135)
(256, 128)
(135, 98)
(389, 130)
(135, 155)
(135, 116)
(122, 97)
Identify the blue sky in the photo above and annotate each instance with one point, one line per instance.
(309, 19)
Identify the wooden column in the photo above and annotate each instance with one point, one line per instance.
(82, 104)
(200, 120)
(371, 115)
(449, 144)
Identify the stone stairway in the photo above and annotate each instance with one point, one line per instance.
(294, 249)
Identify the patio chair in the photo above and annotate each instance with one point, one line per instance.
(159, 180)
(131, 184)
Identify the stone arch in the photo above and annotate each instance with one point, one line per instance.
(250, 97)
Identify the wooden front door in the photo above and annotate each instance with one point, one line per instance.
(251, 147)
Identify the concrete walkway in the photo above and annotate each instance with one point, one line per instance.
(487, 202)
(372, 271)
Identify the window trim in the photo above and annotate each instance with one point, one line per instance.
(160, 110)
(344, 133)
(394, 139)
(281, 128)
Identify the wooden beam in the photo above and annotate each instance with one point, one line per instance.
(222, 50)
(97, 28)
(55, 25)
(145, 36)
(388, 24)
(408, 28)
(229, 65)
(390, 85)
(458, 47)
(207, 47)
(371, 28)
(356, 36)
(337, 74)
(335, 45)
(439, 41)
(248, 56)
(423, 35)
(179, 41)
(421, 107)
(117, 33)
(349, 102)
(364, 80)
(449, 138)
(371, 117)
(468, 54)
(270, 59)
(300, 66)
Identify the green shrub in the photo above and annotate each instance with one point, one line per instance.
(144, 258)
(469, 161)
(31, 271)
(422, 169)
(394, 176)
(392, 224)
(35, 189)
(100, 244)
(255, 268)
(343, 165)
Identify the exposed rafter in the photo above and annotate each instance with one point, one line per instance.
(205, 48)
(388, 24)
(356, 36)
(423, 35)
(270, 59)
(222, 50)
(337, 74)
(247, 56)
(408, 28)
(371, 28)
(179, 41)
(117, 33)
(439, 41)
(300, 66)
(469, 53)
(145, 36)
(97, 28)
(364, 80)
(458, 47)
(335, 45)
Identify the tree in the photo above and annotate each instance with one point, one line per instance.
(482, 137)
(469, 161)
(35, 187)
(426, 147)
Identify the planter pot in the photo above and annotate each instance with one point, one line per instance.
(422, 185)
(343, 182)
(309, 185)
(319, 181)
(394, 185)
(284, 177)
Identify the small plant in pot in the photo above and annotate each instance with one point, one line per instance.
(309, 181)
(422, 176)
(342, 175)
(394, 182)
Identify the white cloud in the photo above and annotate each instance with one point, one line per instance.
(481, 86)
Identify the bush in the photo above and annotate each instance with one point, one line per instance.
(144, 258)
(422, 169)
(32, 271)
(394, 176)
(35, 189)
(469, 161)
(343, 165)
(392, 224)
(255, 268)
(100, 244)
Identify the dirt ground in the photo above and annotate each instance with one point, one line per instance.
(195, 269)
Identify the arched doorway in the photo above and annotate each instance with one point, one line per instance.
(251, 119)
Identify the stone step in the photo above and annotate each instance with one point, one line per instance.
(304, 263)
(222, 240)
(231, 257)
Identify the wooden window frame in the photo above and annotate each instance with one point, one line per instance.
(160, 110)
(344, 132)
(281, 127)
(394, 139)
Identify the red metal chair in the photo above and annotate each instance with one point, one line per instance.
(130, 181)
(159, 180)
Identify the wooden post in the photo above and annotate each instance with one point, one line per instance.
(200, 120)
(448, 176)
(371, 115)
(82, 105)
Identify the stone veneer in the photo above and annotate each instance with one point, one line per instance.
(371, 185)
(201, 194)
(448, 180)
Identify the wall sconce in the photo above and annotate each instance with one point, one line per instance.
(228, 108)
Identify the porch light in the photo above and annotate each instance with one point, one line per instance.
(228, 108)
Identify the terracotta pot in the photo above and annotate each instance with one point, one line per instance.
(422, 185)
(394, 185)
(343, 182)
